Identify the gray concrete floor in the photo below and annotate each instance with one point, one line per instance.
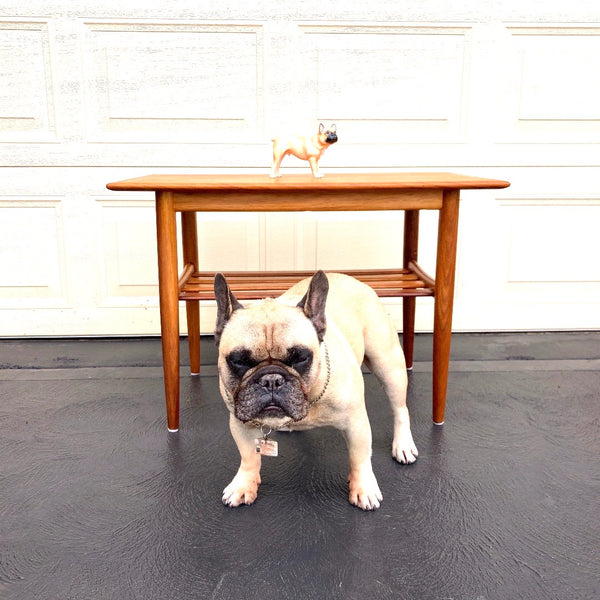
(98, 501)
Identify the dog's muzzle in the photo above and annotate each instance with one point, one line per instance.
(271, 392)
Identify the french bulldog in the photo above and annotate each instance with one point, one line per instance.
(308, 148)
(294, 363)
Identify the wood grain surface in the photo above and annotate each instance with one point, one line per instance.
(332, 181)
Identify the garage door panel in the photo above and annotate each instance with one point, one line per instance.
(27, 103)
(173, 83)
(552, 92)
(33, 262)
(376, 79)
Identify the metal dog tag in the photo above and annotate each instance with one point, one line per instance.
(265, 447)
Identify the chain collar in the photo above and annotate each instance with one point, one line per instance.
(328, 365)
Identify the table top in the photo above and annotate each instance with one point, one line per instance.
(306, 182)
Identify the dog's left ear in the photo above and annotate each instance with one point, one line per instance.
(227, 304)
(313, 303)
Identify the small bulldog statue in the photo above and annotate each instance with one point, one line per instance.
(308, 148)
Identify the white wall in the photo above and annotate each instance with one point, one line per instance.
(95, 92)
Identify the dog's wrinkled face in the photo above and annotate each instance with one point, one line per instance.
(269, 385)
(269, 356)
(328, 136)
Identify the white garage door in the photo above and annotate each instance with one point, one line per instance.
(92, 92)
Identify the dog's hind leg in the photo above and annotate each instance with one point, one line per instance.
(277, 158)
(386, 360)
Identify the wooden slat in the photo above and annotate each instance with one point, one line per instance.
(259, 286)
(429, 281)
(187, 274)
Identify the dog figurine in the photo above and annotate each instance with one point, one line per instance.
(294, 363)
(303, 147)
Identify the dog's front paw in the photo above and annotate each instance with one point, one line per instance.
(242, 490)
(364, 491)
(404, 449)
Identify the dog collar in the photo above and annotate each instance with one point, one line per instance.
(328, 366)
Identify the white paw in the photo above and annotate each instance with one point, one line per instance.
(403, 448)
(241, 490)
(364, 491)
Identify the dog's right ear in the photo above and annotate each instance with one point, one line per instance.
(313, 303)
(227, 304)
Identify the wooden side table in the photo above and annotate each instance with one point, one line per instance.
(410, 192)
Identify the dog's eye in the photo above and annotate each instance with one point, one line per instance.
(240, 361)
(300, 358)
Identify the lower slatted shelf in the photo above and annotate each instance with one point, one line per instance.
(253, 285)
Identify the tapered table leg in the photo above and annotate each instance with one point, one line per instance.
(411, 249)
(192, 307)
(169, 302)
(444, 299)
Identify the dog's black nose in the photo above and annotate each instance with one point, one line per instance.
(272, 381)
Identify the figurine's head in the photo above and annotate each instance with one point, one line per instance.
(328, 136)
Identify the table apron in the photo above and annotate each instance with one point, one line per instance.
(307, 200)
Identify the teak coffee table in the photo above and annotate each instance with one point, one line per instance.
(410, 192)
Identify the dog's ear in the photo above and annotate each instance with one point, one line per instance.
(227, 304)
(333, 128)
(313, 303)
(321, 128)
